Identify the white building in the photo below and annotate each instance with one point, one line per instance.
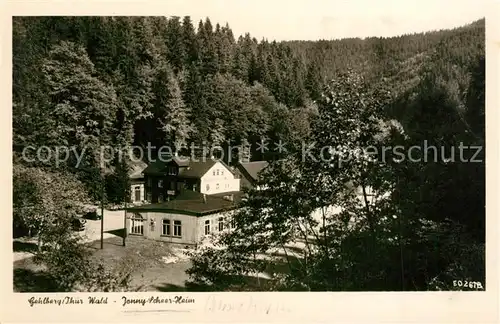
(186, 199)
(186, 219)
(168, 178)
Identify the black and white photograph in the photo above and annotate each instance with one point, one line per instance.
(184, 153)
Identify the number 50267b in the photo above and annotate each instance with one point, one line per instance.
(468, 284)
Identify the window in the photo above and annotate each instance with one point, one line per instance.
(208, 187)
(160, 183)
(214, 172)
(221, 172)
(165, 228)
(137, 191)
(221, 224)
(207, 227)
(195, 187)
(217, 171)
(217, 186)
(178, 228)
(137, 225)
(233, 223)
(150, 182)
(171, 170)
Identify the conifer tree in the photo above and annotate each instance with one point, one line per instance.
(175, 45)
(224, 45)
(313, 82)
(176, 123)
(190, 42)
(208, 51)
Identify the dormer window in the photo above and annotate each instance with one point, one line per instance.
(171, 170)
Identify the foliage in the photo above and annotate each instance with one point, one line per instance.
(82, 106)
(353, 214)
(42, 198)
(46, 203)
(118, 183)
(69, 265)
(125, 61)
(176, 124)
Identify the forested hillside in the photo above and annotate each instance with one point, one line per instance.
(427, 91)
(134, 80)
(88, 82)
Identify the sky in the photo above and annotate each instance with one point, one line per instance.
(333, 19)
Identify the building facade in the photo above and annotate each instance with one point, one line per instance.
(166, 179)
(183, 200)
(177, 228)
(186, 219)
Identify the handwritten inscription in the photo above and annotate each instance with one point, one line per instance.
(248, 305)
(157, 300)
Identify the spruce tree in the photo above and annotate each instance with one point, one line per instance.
(190, 42)
(176, 123)
(175, 45)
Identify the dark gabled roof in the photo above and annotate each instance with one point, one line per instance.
(159, 166)
(189, 203)
(181, 161)
(187, 168)
(197, 169)
(251, 169)
(155, 167)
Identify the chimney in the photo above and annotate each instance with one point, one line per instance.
(204, 198)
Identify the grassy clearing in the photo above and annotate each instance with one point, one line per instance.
(157, 266)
